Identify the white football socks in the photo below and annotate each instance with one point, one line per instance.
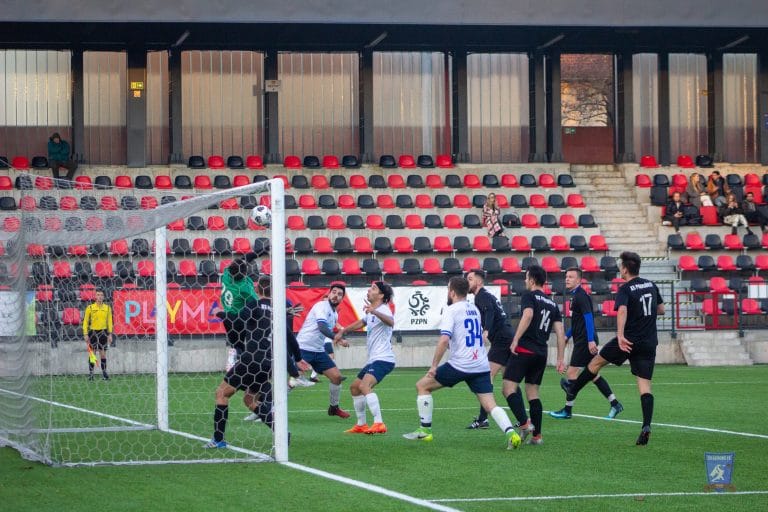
(424, 404)
(373, 405)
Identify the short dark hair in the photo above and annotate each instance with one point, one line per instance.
(716, 172)
(537, 274)
(338, 285)
(385, 289)
(459, 286)
(264, 285)
(478, 272)
(631, 262)
(575, 269)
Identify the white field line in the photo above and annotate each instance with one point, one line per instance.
(260, 456)
(637, 495)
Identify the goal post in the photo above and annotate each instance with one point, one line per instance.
(155, 401)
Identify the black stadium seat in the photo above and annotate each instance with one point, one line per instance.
(377, 181)
(394, 222)
(326, 201)
(382, 245)
(404, 201)
(706, 262)
(143, 182)
(342, 245)
(236, 223)
(422, 244)
(315, 222)
(452, 266)
(491, 181)
(235, 162)
(425, 162)
(442, 201)
(411, 266)
(183, 182)
(181, 247)
(366, 201)
(528, 180)
(472, 221)
(350, 162)
(453, 181)
(338, 181)
(414, 181)
(371, 267)
(387, 162)
(299, 181)
(433, 221)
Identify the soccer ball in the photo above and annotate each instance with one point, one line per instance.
(261, 215)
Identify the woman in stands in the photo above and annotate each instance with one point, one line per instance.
(491, 214)
(697, 191)
(733, 215)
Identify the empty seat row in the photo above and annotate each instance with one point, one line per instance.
(724, 262)
(680, 181)
(713, 241)
(719, 284)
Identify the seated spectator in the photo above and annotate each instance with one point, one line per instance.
(491, 214)
(733, 215)
(697, 191)
(717, 189)
(59, 156)
(674, 216)
(755, 213)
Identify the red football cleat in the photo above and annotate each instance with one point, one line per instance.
(335, 410)
(357, 429)
(377, 428)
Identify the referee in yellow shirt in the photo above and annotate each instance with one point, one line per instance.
(97, 330)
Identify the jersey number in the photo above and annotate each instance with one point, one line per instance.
(647, 301)
(475, 333)
(544, 324)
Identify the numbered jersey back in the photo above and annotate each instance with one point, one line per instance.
(545, 314)
(642, 299)
(461, 323)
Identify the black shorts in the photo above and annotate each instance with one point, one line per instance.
(499, 352)
(247, 377)
(98, 339)
(642, 359)
(235, 332)
(580, 356)
(525, 366)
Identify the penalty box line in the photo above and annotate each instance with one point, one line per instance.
(636, 495)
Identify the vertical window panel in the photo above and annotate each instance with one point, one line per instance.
(645, 103)
(104, 90)
(688, 104)
(498, 107)
(740, 107)
(158, 146)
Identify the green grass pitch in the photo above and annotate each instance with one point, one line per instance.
(582, 456)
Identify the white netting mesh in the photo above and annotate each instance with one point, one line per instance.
(62, 405)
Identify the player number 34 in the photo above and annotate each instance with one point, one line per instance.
(474, 332)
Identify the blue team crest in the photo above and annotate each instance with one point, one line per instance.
(719, 471)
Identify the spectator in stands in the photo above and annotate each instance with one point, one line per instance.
(491, 215)
(733, 215)
(717, 189)
(673, 215)
(754, 213)
(59, 156)
(697, 191)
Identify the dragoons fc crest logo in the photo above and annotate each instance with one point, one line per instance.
(418, 304)
(719, 471)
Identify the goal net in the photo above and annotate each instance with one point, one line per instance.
(86, 381)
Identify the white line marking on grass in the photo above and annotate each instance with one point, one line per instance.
(371, 487)
(598, 496)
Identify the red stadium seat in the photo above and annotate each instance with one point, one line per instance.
(20, 163)
(709, 216)
(44, 293)
(241, 245)
(71, 316)
(764, 241)
(733, 242)
(750, 307)
(358, 181)
(472, 181)
(163, 182)
(752, 180)
(78, 250)
(123, 182)
(406, 162)
(363, 245)
(384, 201)
(529, 220)
(254, 162)
(346, 202)
(643, 181)
(335, 222)
(323, 245)
(27, 203)
(395, 181)
(413, 221)
(68, 203)
(216, 162)
(216, 223)
(391, 266)
(118, 247)
(444, 161)
(310, 267)
(434, 181)
(35, 250)
(509, 181)
(149, 203)
(286, 181)
(6, 183)
(559, 243)
(761, 262)
(374, 221)
(481, 243)
(510, 265)
(725, 262)
(103, 269)
(616, 283)
(187, 268)
(307, 202)
(597, 243)
(94, 223)
(520, 244)
(201, 246)
(550, 265)
(461, 201)
(319, 182)
(547, 180)
(424, 201)
(501, 201)
(575, 201)
(685, 161)
(203, 182)
(296, 222)
(330, 161)
(589, 264)
(83, 183)
(687, 263)
(503, 285)
(568, 221)
(607, 308)
(145, 268)
(403, 245)
(292, 162)
(719, 284)
(537, 201)
(52, 224)
(648, 161)
(229, 204)
(350, 267)
(709, 307)
(431, 266)
(693, 242)
(109, 203)
(442, 244)
(177, 225)
(240, 180)
(470, 263)
(43, 183)
(452, 221)
(680, 182)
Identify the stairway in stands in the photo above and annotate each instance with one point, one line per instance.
(612, 200)
(718, 348)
